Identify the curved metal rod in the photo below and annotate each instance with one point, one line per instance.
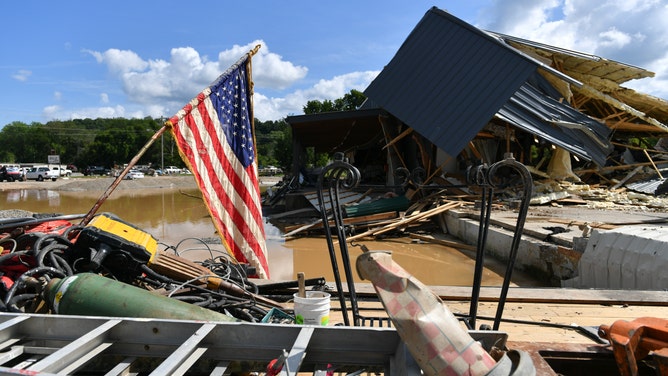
(527, 183)
(404, 175)
(337, 175)
(418, 176)
(478, 176)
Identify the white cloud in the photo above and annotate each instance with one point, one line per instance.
(119, 61)
(269, 69)
(57, 112)
(614, 38)
(51, 112)
(104, 98)
(631, 32)
(293, 103)
(102, 112)
(161, 85)
(22, 75)
(627, 31)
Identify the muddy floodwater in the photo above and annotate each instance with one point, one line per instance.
(178, 218)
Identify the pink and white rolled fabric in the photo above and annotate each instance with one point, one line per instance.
(433, 335)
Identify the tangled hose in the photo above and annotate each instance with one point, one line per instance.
(31, 259)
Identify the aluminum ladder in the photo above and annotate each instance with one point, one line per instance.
(71, 345)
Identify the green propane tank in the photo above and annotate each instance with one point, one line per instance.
(91, 294)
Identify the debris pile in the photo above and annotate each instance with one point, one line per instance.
(596, 196)
(43, 260)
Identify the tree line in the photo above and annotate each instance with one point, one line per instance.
(113, 142)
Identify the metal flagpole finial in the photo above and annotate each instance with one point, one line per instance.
(254, 50)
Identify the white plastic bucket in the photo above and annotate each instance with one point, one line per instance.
(313, 309)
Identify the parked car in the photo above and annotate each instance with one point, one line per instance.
(270, 170)
(62, 171)
(134, 174)
(12, 174)
(172, 170)
(42, 173)
(96, 170)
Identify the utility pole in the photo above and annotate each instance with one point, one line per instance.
(162, 146)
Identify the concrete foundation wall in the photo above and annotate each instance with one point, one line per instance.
(545, 261)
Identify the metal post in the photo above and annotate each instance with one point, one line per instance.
(162, 152)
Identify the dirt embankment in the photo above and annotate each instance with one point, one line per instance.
(100, 184)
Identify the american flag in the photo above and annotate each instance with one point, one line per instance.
(215, 138)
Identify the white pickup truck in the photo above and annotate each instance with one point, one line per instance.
(62, 171)
(169, 170)
(41, 173)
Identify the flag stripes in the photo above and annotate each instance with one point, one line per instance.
(229, 186)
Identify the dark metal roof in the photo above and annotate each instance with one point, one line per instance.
(337, 131)
(656, 186)
(448, 79)
(535, 109)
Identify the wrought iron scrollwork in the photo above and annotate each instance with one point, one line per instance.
(405, 177)
(490, 178)
(336, 176)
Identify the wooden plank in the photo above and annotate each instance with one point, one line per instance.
(447, 243)
(556, 295)
(615, 168)
(398, 138)
(546, 295)
(295, 230)
(407, 220)
(292, 230)
(653, 164)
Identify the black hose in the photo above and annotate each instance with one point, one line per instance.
(55, 237)
(61, 263)
(9, 256)
(41, 253)
(13, 304)
(19, 282)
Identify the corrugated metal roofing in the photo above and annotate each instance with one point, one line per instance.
(535, 109)
(626, 258)
(657, 186)
(448, 79)
(603, 75)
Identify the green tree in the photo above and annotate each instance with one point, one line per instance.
(272, 145)
(316, 107)
(350, 101)
(107, 142)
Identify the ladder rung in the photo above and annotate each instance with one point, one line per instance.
(184, 352)
(85, 346)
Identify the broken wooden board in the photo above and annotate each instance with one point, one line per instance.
(367, 219)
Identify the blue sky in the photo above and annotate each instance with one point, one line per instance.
(89, 59)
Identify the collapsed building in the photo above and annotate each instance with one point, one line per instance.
(455, 95)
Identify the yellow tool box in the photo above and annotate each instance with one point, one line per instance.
(106, 233)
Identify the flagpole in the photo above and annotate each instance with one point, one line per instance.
(120, 176)
(141, 152)
(251, 85)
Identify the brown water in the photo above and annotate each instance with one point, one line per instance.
(174, 217)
